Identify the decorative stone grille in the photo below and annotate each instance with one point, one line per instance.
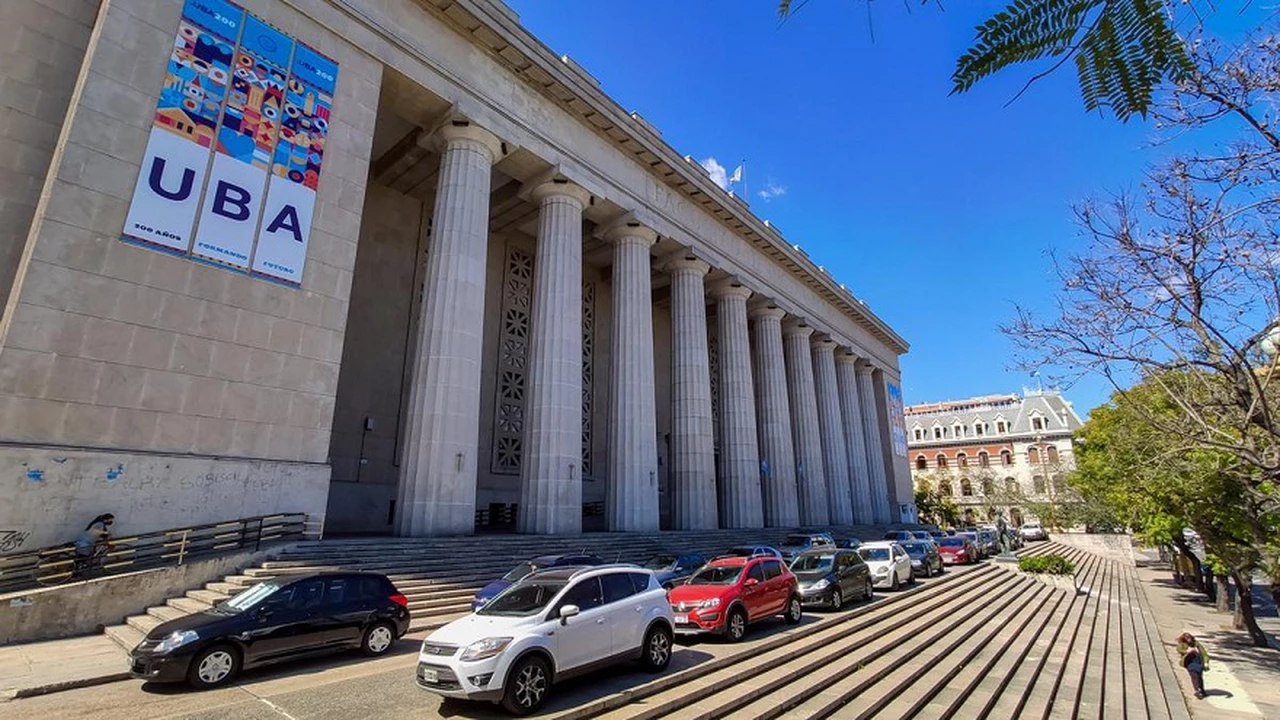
(588, 371)
(513, 355)
(713, 364)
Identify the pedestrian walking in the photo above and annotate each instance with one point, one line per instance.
(1195, 659)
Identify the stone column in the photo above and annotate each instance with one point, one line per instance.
(777, 456)
(834, 458)
(875, 450)
(693, 462)
(551, 471)
(806, 437)
(740, 501)
(631, 496)
(438, 477)
(855, 440)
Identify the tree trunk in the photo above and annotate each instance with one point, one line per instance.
(1244, 618)
(1223, 594)
(1181, 543)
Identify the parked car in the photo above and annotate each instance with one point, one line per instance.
(526, 568)
(938, 535)
(957, 551)
(925, 559)
(793, 545)
(828, 576)
(547, 627)
(989, 539)
(1033, 531)
(729, 593)
(921, 536)
(271, 622)
(972, 536)
(851, 543)
(899, 536)
(890, 565)
(671, 570)
(751, 551)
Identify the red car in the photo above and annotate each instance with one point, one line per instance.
(956, 550)
(730, 592)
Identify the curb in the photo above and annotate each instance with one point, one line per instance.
(50, 688)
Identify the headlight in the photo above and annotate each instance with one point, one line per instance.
(177, 639)
(485, 648)
(821, 584)
(713, 602)
(882, 571)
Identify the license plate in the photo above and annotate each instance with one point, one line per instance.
(681, 619)
(429, 675)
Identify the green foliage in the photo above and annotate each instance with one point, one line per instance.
(935, 508)
(1046, 565)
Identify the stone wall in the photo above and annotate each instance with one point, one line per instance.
(42, 45)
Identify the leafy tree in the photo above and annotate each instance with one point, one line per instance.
(934, 507)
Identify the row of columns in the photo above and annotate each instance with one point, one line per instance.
(799, 430)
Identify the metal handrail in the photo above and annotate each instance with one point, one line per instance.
(161, 548)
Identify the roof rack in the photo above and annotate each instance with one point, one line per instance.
(606, 566)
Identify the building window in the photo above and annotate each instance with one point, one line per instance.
(979, 429)
(1006, 457)
(962, 460)
(937, 433)
(988, 486)
(922, 463)
(983, 460)
(1011, 486)
(942, 460)
(1037, 482)
(1001, 428)
(944, 488)
(966, 488)
(1037, 423)
(957, 430)
(1051, 454)
(1057, 483)
(919, 434)
(1033, 456)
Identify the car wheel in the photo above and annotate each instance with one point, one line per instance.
(869, 591)
(657, 649)
(928, 570)
(893, 583)
(794, 611)
(911, 576)
(736, 625)
(527, 686)
(213, 667)
(837, 599)
(378, 639)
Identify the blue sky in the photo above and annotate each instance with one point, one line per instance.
(938, 211)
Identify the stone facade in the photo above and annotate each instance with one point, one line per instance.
(420, 382)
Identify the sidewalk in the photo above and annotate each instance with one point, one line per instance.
(44, 667)
(1243, 682)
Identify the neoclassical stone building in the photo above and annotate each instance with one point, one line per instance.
(513, 306)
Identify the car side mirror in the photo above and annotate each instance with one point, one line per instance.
(751, 582)
(567, 612)
(263, 612)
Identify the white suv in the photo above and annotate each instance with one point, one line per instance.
(549, 626)
(1033, 531)
(889, 564)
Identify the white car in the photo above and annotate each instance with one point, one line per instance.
(1033, 531)
(890, 565)
(547, 627)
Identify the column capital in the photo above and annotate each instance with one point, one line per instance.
(763, 307)
(823, 342)
(729, 287)
(559, 187)
(459, 130)
(845, 356)
(685, 260)
(630, 230)
(796, 327)
(865, 367)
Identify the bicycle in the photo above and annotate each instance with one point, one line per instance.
(65, 565)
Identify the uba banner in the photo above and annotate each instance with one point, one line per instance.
(231, 168)
(897, 420)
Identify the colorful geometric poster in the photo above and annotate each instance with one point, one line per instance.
(897, 420)
(295, 172)
(245, 142)
(176, 161)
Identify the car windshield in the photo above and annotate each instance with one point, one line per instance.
(1031, 526)
(522, 599)
(952, 542)
(915, 549)
(812, 563)
(795, 540)
(874, 553)
(519, 572)
(660, 562)
(250, 597)
(717, 575)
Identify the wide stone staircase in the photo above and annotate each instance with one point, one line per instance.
(989, 642)
(440, 575)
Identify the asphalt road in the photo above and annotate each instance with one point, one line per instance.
(352, 687)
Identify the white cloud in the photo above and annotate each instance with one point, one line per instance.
(719, 175)
(772, 190)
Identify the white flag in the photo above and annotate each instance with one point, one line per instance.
(737, 175)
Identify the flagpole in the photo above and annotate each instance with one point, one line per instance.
(746, 197)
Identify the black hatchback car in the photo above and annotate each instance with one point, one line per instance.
(829, 576)
(274, 621)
